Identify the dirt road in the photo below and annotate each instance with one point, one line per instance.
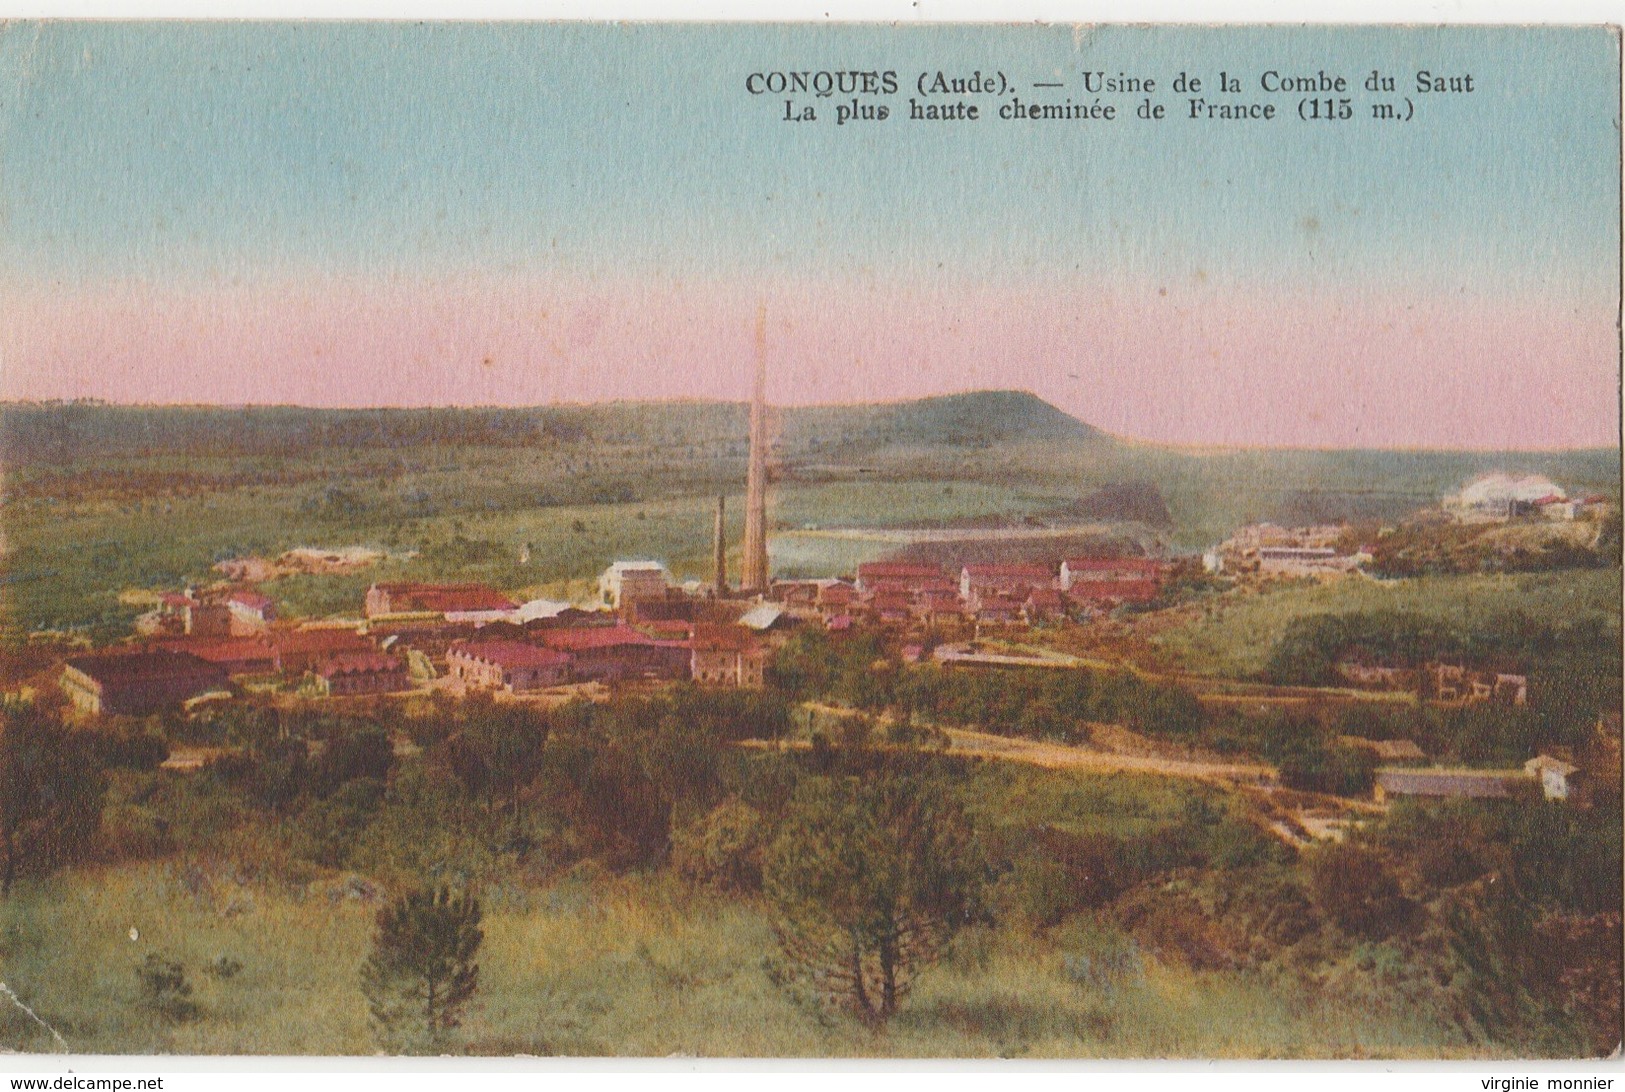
(1061, 756)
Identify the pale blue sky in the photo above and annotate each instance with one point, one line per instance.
(212, 151)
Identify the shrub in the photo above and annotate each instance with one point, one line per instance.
(724, 848)
(366, 753)
(164, 988)
(1356, 888)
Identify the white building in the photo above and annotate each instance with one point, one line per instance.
(627, 581)
(1499, 496)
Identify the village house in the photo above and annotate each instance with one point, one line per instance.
(905, 575)
(138, 683)
(233, 655)
(352, 674)
(1106, 571)
(507, 665)
(1306, 561)
(999, 612)
(1001, 583)
(1268, 549)
(442, 599)
(1433, 782)
(251, 611)
(836, 599)
(1458, 683)
(1043, 605)
(300, 650)
(940, 607)
(796, 594)
(618, 652)
(726, 656)
(1559, 780)
(889, 606)
(1378, 676)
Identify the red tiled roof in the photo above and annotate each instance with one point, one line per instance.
(251, 599)
(1009, 572)
(1147, 565)
(360, 664)
(581, 638)
(319, 640)
(1132, 590)
(870, 571)
(714, 638)
(144, 665)
(220, 650)
(512, 654)
(446, 598)
(890, 599)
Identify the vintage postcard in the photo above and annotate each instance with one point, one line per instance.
(1082, 542)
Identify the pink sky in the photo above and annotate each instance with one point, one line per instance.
(1197, 365)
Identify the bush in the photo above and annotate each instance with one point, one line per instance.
(1100, 958)
(1355, 887)
(164, 988)
(364, 754)
(131, 749)
(723, 849)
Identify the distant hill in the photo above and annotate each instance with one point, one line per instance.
(977, 420)
(57, 432)
(626, 451)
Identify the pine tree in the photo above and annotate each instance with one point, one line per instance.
(870, 881)
(421, 972)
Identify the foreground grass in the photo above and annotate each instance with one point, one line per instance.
(593, 964)
(1235, 634)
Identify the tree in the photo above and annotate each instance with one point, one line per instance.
(421, 971)
(870, 881)
(362, 754)
(50, 793)
(499, 753)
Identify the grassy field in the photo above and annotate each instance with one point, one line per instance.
(99, 499)
(1234, 633)
(593, 964)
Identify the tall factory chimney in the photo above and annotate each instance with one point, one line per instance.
(719, 547)
(753, 578)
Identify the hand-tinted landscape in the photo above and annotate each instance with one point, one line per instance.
(509, 546)
(930, 804)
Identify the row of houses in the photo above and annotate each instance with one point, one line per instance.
(149, 678)
(224, 611)
(1441, 681)
(904, 593)
(712, 655)
(410, 632)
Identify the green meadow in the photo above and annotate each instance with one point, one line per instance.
(1234, 634)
